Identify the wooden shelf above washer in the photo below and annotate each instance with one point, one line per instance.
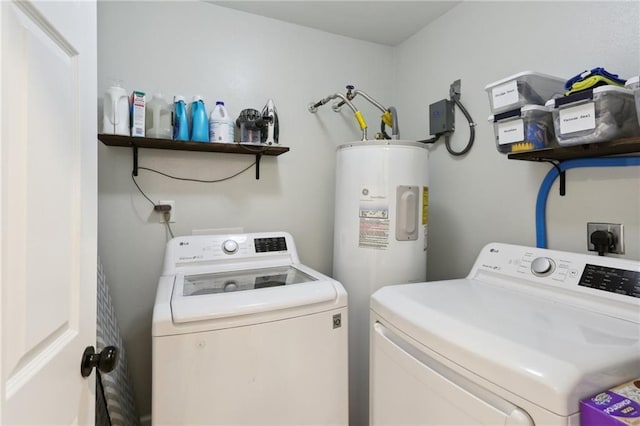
(227, 148)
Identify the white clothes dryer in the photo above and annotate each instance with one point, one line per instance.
(527, 335)
(243, 334)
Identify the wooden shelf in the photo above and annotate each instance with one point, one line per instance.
(601, 149)
(227, 148)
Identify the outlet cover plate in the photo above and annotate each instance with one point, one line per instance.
(172, 219)
(616, 229)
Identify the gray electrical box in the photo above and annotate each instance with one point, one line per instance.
(442, 117)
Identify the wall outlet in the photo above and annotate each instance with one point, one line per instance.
(172, 219)
(616, 229)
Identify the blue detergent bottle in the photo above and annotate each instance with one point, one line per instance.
(199, 121)
(180, 121)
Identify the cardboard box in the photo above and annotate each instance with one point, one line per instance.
(137, 114)
(618, 406)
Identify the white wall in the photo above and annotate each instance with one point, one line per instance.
(484, 197)
(197, 48)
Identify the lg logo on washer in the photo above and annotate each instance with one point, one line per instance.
(337, 321)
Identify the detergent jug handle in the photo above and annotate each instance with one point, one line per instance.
(114, 95)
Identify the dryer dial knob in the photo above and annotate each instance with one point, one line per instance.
(230, 246)
(542, 266)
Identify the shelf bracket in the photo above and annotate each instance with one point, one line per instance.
(135, 159)
(258, 158)
(562, 177)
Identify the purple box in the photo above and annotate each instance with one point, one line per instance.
(618, 406)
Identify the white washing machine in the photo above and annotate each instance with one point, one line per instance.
(520, 341)
(243, 334)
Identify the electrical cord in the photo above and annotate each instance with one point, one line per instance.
(472, 131)
(167, 214)
(133, 178)
(255, 151)
(197, 180)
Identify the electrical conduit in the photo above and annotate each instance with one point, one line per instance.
(545, 187)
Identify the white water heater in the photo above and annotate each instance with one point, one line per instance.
(381, 215)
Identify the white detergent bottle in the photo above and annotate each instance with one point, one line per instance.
(158, 118)
(115, 112)
(221, 125)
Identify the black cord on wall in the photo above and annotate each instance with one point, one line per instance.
(167, 214)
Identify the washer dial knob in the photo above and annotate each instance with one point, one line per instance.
(230, 246)
(230, 286)
(542, 266)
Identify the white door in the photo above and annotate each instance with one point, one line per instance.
(47, 210)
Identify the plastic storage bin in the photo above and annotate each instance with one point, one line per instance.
(523, 129)
(634, 84)
(596, 115)
(527, 87)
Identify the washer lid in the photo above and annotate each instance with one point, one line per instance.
(236, 293)
(547, 352)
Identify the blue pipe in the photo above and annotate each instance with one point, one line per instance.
(543, 193)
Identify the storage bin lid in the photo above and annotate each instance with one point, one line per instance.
(518, 112)
(588, 94)
(527, 75)
(633, 83)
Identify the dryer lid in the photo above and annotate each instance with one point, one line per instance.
(547, 352)
(246, 292)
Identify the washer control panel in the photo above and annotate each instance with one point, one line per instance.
(264, 245)
(614, 278)
(219, 249)
(542, 266)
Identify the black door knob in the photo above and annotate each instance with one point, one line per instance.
(105, 360)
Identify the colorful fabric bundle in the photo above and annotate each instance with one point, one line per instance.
(590, 79)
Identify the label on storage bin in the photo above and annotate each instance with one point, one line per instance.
(577, 118)
(505, 94)
(511, 131)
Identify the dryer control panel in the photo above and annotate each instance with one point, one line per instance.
(611, 283)
(614, 280)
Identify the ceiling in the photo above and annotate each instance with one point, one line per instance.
(384, 22)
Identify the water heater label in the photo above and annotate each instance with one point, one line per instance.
(425, 205)
(373, 221)
(425, 213)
